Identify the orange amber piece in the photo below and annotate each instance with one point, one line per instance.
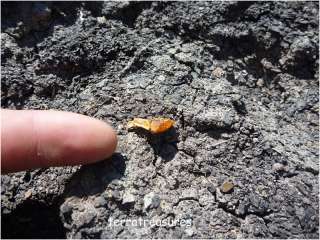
(139, 122)
(158, 125)
(161, 125)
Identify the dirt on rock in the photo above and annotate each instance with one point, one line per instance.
(239, 78)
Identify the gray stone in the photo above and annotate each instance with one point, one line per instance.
(278, 167)
(128, 198)
(151, 200)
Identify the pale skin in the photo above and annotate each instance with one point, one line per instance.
(33, 139)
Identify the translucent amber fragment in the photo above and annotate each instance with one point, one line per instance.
(140, 123)
(161, 125)
(158, 125)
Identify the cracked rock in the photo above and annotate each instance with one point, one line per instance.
(240, 79)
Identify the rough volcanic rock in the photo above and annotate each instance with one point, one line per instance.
(239, 78)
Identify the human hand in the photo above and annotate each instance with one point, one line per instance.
(35, 139)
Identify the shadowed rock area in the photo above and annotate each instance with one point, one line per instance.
(239, 78)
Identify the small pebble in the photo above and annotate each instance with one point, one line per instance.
(260, 82)
(100, 202)
(218, 72)
(277, 167)
(189, 232)
(151, 200)
(211, 188)
(101, 20)
(172, 51)
(116, 195)
(28, 194)
(128, 198)
(227, 187)
(255, 140)
(66, 208)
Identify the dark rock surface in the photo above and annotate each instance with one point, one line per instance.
(239, 78)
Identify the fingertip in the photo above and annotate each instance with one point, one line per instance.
(78, 139)
(109, 140)
(33, 139)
